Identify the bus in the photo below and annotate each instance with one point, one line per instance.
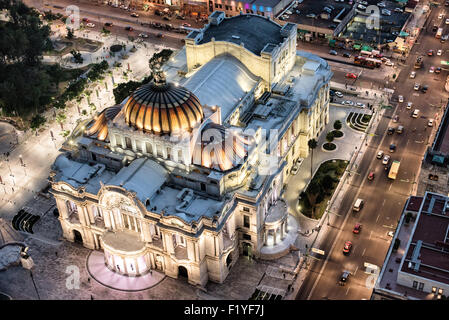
(394, 170)
(367, 62)
(439, 33)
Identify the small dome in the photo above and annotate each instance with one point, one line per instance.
(163, 109)
(99, 126)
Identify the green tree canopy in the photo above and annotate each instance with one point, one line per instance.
(337, 125)
(330, 137)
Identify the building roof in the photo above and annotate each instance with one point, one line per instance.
(223, 82)
(253, 30)
(163, 109)
(143, 176)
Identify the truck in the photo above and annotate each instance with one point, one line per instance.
(394, 169)
(439, 33)
(418, 62)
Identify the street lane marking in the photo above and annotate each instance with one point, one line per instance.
(356, 270)
(390, 186)
(347, 292)
(384, 202)
(363, 253)
(377, 218)
(371, 233)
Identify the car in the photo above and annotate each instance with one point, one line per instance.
(344, 278)
(400, 129)
(85, 20)
(430, 123)
(398, 10)
(392, 147)
(333, 52)
(389, 63)
(348, 102)
(128, 28)
(447, 21)
(390, 130)
(424, 88)
(390, 234)
(351, 76)
(401, 98)
(371, 176)
(346, 55)
(438, 70)
(440, 16)
(386, 159)
(135, 15)
(347, 247)
(386, 12)
(143, 35)
(380, 154)
(413, 74)
(409, 105)
(339, 94)
(415, 113)
(361, 105)
(180, 17)
(416, 86)
(395, 33)
(432, 70)
(108, 24)
(311, 15)
(358, 226)
(430, 53)
(331, 93)
(90, 25)
(294, 169)
(396, 118)
(166, 18)
(381, 5)
(186, 25)
(361, 7)
(160, 35)
(439, 52)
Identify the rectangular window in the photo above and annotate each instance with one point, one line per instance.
(247, 237)
(415, 284)
(128, 142)
(421, 286)
(216, 5)
(246, 209)
(246, 221)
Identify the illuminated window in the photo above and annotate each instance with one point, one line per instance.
(434, 289)
(440, 291)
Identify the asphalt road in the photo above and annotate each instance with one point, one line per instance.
(384, 198)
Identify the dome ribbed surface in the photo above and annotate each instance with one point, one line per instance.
(163, 109)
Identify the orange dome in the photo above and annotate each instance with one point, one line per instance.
(163, 109)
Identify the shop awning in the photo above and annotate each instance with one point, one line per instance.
(367, 48)
(403, 34)
(438, 159)
(356, 47)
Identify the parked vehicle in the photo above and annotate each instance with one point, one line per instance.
(415, 113)
(380, 154)
(400, 129)
(333, 52)
(357, 228)
(347, 247)
(371, 176)
(344, 278)
(358, 205)
(386, 159)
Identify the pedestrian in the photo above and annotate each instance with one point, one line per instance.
(88, 279)
(56, 253)
(283, 275)
(91, 297)
(289, 288)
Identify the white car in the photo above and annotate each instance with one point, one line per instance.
(440, 16)
(90, 25)
(409, 105)
(398, 10)
(447, 21)
(390, 234)
(380, 154)
(389, 63)
(361, 7)
(413, 75)
(432, 69)
(339, 94)
(439, 52)
(430, 123)
(143, 35)
(401, 99)
(361, 105)
(381, 5)
(386, 159)
(416, 86)
(348, 102)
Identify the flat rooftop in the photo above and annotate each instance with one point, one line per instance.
(430, 229)
(441, 143)
(316, 7)
(253, 30)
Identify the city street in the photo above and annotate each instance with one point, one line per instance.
(384, 198)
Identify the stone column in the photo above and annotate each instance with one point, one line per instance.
(281, 228)
(275, 236)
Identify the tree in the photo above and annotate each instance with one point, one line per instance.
(330, 137)
(37, 121)
(77, 56)
(313, 190)
(312, 145)
(327, 182)
(337, 125)
(69, 33)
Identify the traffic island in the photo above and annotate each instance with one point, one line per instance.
(313, 201)
(358, 121)
(338, 134)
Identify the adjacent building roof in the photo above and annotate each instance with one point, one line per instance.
(253, 30)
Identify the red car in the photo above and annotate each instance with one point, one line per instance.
(430, 53)
(357, 228)
(85, 20)
(371, 176)
(347, 247)
(351, 76)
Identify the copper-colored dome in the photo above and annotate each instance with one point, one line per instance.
(163, 109)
